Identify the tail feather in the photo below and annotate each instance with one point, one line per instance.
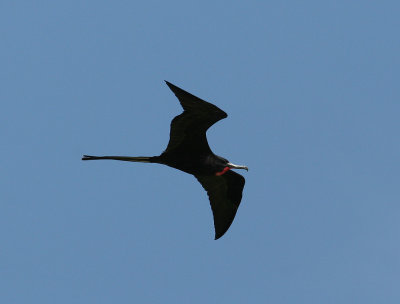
(140, 159)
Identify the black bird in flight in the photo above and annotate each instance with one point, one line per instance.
(188, 151)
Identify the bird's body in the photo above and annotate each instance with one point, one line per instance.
(188, 151)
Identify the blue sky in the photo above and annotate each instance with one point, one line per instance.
(312, 93)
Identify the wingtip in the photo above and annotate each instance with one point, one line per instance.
(218, 236)
(171, 86)
(174, 88)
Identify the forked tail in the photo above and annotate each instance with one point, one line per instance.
(140, 159)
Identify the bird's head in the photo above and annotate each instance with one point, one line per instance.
(224, 166)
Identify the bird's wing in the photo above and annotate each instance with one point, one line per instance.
(225, 194)
(188, 130)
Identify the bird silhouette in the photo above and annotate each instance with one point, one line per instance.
(188, 151)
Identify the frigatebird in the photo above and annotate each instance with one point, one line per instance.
(188, 151)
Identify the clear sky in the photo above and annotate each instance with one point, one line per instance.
(312, 93)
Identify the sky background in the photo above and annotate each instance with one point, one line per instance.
(312, 93)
